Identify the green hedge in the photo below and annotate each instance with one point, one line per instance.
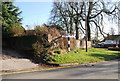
(115, 49)
(22, 42)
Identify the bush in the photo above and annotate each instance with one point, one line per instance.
(21, 42)
(41, 49)
(17, 30)
(115, 49)
(32, 45)
(41, 30)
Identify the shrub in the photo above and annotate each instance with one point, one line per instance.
(41, 30)
(21, 42)
(17, 30)
(41, 49)
(32, 45)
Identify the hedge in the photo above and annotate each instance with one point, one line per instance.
(21, 42)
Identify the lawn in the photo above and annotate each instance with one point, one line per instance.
(80, 56)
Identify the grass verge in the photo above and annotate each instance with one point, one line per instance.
(80, 56)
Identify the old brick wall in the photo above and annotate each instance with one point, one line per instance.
(62, 42)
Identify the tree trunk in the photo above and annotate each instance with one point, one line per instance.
(71, 28)
(77, 30)
(88, 31)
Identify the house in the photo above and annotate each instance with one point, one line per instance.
(111, 41)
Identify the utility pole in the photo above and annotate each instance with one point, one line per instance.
(86, 34)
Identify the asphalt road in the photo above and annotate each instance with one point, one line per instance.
(101, 70)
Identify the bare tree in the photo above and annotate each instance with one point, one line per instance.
(68, 14)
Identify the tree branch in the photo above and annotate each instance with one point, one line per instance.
(98, 27)
(96, 14)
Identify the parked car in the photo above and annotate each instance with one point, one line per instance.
(97, 46)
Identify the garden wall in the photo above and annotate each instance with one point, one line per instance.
(26, 42)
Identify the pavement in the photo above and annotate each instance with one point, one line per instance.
(100, 70)
(16, 64)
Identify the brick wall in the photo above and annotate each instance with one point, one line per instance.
(63, 41)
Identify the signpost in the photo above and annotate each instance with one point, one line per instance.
(68, 35)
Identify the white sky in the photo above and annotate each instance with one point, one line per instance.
(109, 24)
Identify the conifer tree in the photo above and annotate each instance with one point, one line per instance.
(10, 16)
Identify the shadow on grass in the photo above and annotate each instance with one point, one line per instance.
(106, 56)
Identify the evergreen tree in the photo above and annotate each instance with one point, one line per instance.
(10, 15)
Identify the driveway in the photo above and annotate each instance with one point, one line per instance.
(12, 61)
(101, 70)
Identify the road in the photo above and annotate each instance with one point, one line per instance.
(101, 70)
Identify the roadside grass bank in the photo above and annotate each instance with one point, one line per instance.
(80, 56)
(75, 56)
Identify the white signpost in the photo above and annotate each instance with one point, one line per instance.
(68, 35)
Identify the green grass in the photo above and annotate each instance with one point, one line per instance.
(80, 56)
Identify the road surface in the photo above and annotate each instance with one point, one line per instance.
(101, 70)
